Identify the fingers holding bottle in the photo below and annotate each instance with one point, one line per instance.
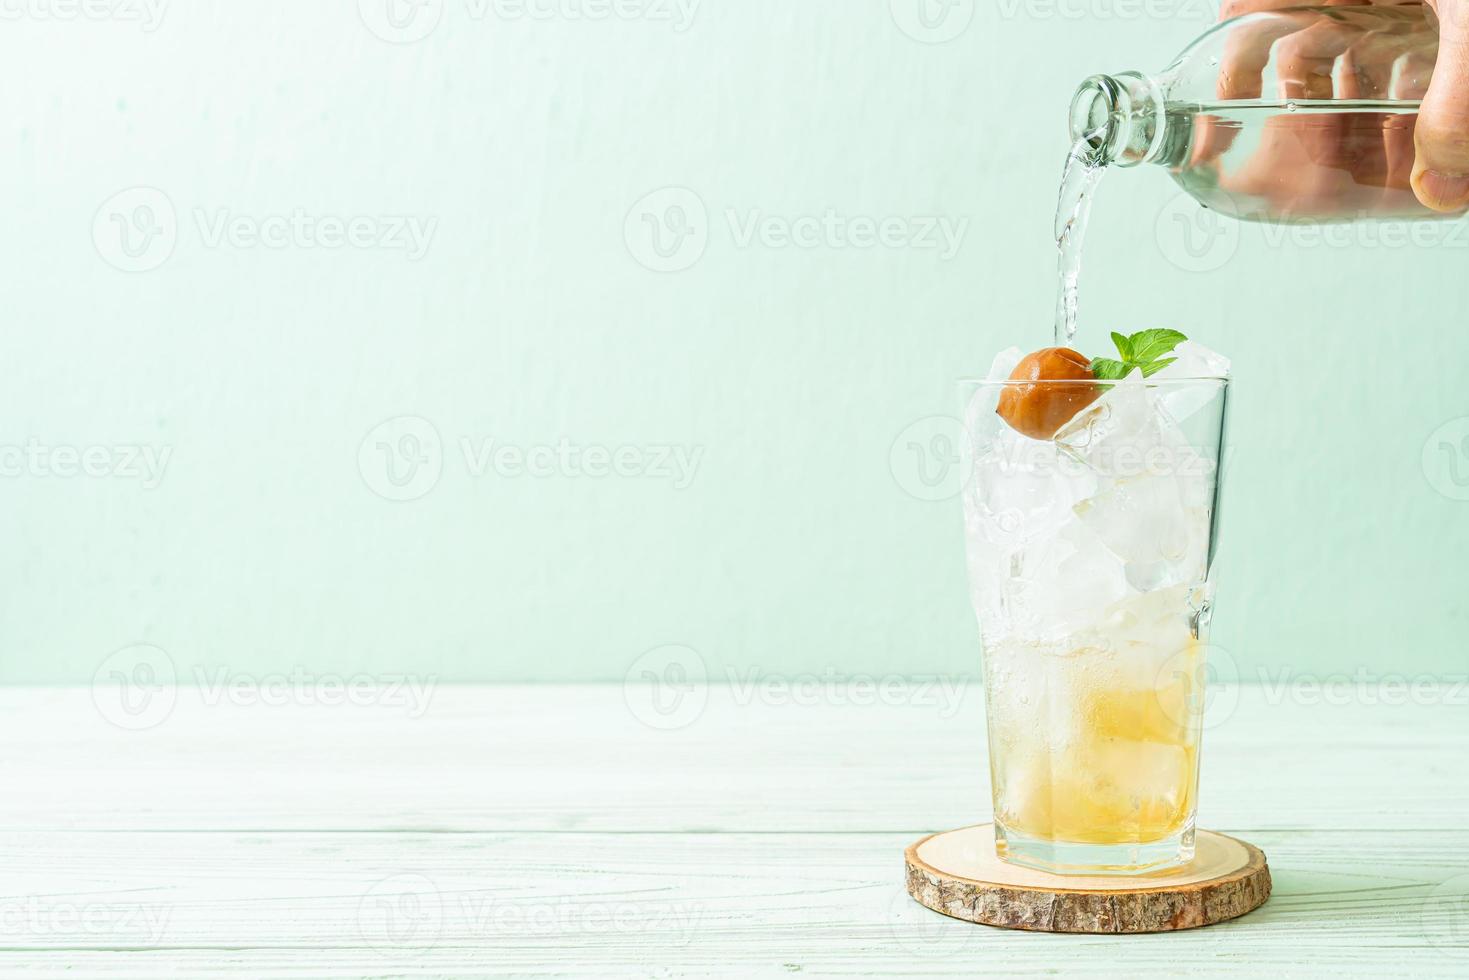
(1441, 168)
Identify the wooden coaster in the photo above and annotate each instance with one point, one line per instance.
(957, 873)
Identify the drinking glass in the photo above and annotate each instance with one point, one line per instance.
(1090, 562)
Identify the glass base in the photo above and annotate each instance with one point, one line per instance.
(1068, 858)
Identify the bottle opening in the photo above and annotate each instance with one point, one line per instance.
(1094, 115)
(1118, 118)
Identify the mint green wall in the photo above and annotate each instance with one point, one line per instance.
(524, 148)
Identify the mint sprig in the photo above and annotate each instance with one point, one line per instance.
(1142, 351)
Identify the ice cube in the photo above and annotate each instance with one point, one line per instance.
(1123, 433)
(1194, 360)
(1154, 492)
(1004, 364)
(1142, 786)
(1145, 522)
(1060, 584)
(1155, 623)
(1023, 489)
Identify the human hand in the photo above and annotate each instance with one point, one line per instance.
(1441, 170)
(1344, 164)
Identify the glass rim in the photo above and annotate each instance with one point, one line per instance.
(1145, 382)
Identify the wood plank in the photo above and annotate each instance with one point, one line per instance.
(558, 833)
(1368, 904)
(575, 758)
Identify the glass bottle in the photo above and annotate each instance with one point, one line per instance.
(1302, 114)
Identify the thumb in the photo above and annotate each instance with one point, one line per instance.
(1441, 170)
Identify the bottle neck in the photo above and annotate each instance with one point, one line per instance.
(1121, 118)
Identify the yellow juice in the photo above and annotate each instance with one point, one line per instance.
(1095, 745)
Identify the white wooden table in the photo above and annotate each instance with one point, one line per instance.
(551, 830)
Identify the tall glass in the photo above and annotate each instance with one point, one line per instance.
(1090, 558)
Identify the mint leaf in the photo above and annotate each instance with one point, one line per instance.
(1151, 369)
(1142, 351)
(1106, 369)
(1149, 345)
(1124, 346)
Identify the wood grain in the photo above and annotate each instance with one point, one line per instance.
(546, 831)
(958, 874)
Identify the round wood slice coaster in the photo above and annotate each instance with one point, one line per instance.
(957, 873)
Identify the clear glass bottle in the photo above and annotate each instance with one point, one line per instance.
(1302, 114)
